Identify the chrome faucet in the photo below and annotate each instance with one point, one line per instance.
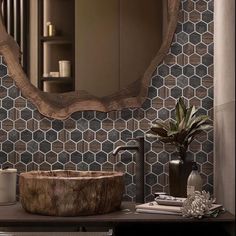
(139, 147)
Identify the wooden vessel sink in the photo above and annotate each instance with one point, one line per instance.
(71, 193)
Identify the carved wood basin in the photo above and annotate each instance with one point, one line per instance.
(71, 193)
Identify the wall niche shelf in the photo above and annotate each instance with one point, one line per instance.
(56, 40)
(61, 46)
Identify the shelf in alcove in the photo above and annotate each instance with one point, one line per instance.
(58, 79)
(57, 84)
(56, 40)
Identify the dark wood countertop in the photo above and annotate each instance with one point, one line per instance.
(16, 215)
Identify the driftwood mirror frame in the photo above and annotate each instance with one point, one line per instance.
(61, 106)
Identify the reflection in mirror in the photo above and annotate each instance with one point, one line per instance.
(113, 47)
(108, 43)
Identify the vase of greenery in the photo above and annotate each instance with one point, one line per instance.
(180, 132)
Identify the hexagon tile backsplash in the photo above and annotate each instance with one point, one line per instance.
(85, 141)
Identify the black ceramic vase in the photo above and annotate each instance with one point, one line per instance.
(179, 171)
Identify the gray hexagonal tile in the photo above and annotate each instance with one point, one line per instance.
(157, 168)
(88, 115)
(32, 146)
(57, 166)
(3, 158)
(107, 146)
(176, 92)
(207, 59)
(157, 81)
(88, 157)
(182, 38)
(188, 70)
(51, 135)
(26, 135)
(94, 166)
(207, 16)
(113, 135)
(126, 114)
(95, 125)
(163, 70)
(44, 146)
(57, 125)
(100, 115)
(151, 179)
(188, 27)
(82, 166)
(7, 103)
(201, 157)
(207, 146)
(63, 157)
(152, 92)
(195, 38)
(176, 49)
(207, 103)
(82, 125)
(76, 157)
(201, 70)
(3, 70)
(26, 157)
(182, 81)
(201, 27)
(163, 157)
(26, 114)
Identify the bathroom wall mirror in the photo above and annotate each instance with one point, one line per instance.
(125, 50)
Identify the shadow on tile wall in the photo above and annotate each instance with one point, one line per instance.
(30, 141)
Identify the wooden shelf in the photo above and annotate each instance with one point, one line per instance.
(59, 79)
(56, 40)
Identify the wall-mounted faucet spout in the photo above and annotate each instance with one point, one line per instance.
(128, 147)
(139, 147)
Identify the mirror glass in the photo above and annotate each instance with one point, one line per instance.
(85, 54)
(98, 46)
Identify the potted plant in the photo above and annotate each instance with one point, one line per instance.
(180, 132)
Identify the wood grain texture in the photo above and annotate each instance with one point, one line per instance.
(71, 193)
(61, 106)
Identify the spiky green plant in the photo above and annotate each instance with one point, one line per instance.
(183, 130)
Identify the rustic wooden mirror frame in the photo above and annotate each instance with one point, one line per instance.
(61, 106)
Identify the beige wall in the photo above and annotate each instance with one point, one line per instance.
(97, 46)
(115, 42)
(224, 90)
